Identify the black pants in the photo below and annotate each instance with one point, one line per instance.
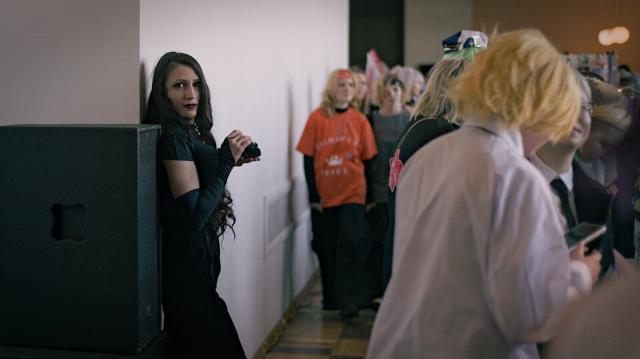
(329, 301)
(377, 222)
(344, 277)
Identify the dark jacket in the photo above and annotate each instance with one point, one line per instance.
(593, 205)
(418, 133)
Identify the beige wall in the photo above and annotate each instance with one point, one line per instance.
(572, 25)
(427, 22)
(69, 61)
(266, 63)
(90, 61)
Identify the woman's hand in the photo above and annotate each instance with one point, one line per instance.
(592, 260)
(237, 143)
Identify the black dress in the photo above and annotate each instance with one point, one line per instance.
(197, 322)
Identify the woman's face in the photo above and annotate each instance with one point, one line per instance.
(362, 82)
(417, 87)
(345, 90)
(183, 91)
(393, 94)
(603, 137)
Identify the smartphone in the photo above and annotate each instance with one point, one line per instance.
(587, 232)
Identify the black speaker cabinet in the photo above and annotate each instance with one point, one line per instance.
(79, 245)
(154, 350)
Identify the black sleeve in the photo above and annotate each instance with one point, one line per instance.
(368, 176)
(213, 167)
(309, 174)
(175, 146)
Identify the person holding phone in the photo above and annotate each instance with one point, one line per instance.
(480, 264)
(579, 197)
(195, 209)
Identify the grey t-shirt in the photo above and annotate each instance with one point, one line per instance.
(387, 131)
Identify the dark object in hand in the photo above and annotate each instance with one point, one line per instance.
(251, 151)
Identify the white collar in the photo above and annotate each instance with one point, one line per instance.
(511, 136)
(550, 175)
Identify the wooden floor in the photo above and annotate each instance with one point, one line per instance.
(317, 334)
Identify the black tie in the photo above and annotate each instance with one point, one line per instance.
(563, 193)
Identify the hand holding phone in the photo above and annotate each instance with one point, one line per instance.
(586, 232)
(589, 258)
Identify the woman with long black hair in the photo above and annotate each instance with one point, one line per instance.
(195, 209)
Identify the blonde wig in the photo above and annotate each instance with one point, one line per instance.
(362, 103)
(328, 94)
(522, 81)
(434, 102)
(609, 105)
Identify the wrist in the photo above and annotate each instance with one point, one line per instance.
(224, 153)
(581, 278)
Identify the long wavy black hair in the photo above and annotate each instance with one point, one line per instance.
(160, 111)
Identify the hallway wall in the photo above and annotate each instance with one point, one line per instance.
(266, 63)
(571, 25)
(90, 61)
(69, 61)
(428, 22)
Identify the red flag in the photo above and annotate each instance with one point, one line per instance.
(374, 70)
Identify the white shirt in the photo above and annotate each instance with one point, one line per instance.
(580, 275)
(566, 178)
(479, 257)
(549, 174)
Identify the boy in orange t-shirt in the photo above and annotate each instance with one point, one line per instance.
(337, 144)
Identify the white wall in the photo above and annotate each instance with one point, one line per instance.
(427, 22)
(69, 61)
(80, 61)
(266, 63)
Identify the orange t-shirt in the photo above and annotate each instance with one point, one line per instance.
(338, 146)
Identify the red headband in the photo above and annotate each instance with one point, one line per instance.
(344, 74)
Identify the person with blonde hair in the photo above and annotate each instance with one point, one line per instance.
(362, 88)
(434, 103)
(434, 116)
(480, 263)
(611, 120)
(337, 144)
